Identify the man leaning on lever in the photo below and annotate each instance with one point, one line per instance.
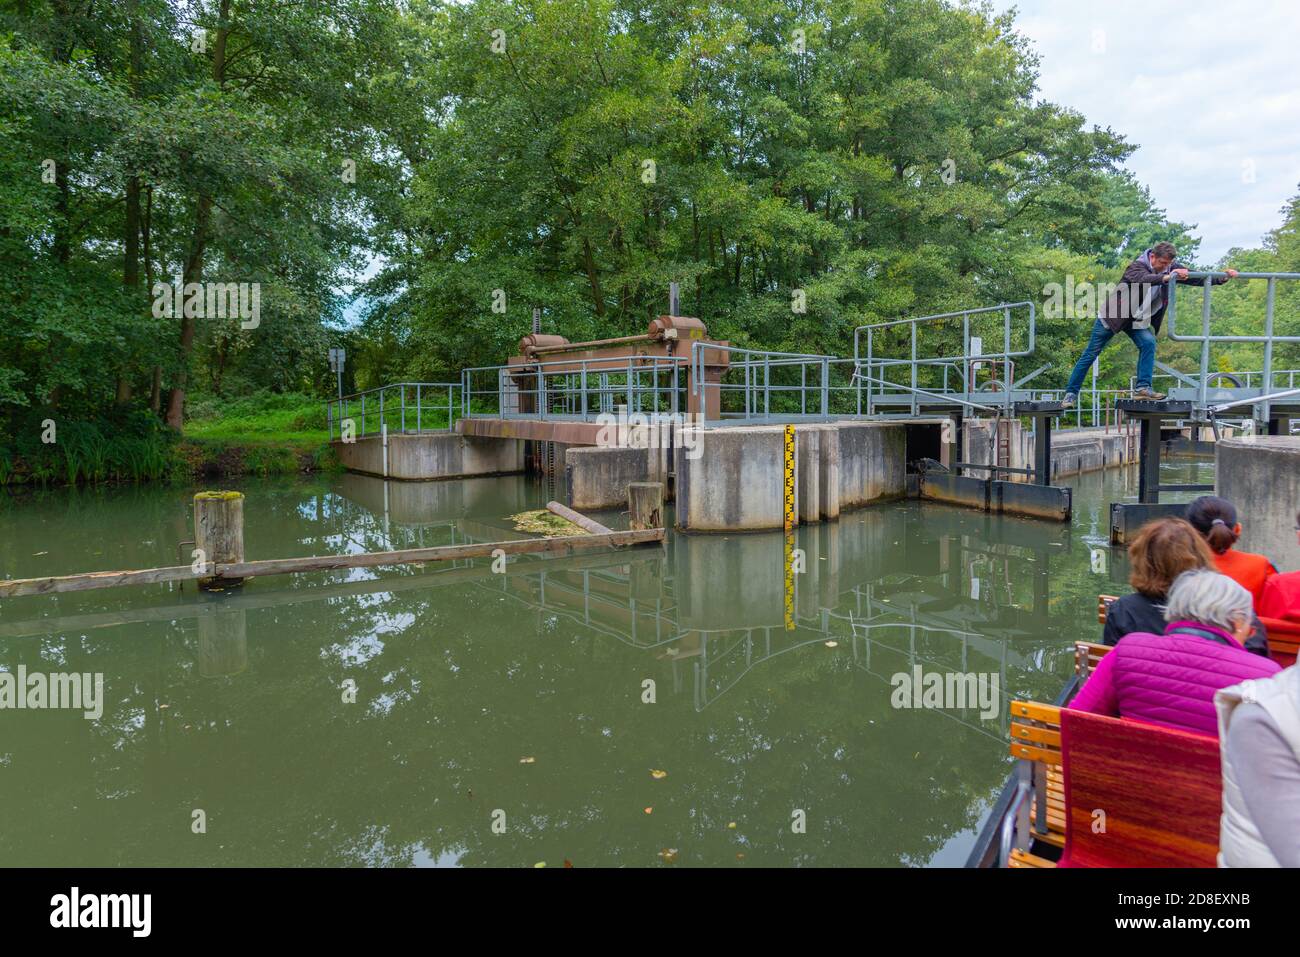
(1136, 308)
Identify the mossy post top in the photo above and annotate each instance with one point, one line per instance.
(217, 496)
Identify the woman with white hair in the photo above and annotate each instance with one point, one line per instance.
(1170, 679)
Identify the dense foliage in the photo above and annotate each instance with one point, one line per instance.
(878, 157)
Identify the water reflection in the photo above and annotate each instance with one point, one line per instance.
(234, 703)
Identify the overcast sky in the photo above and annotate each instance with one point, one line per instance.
(1208, 91)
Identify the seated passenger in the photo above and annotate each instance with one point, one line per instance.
(1216, 519)
(1163, 550)
(1281, 598)
(1170, 679)
(1259, 728)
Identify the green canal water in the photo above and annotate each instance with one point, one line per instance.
(501, 719)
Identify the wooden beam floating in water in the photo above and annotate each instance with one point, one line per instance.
(284, 566)
(577, 518)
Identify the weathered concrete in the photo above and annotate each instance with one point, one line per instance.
(1073, 452)
(872, 462)
(1090, 450)
(598, 478)
(737, 483)
(440, 455)
(1260, 475)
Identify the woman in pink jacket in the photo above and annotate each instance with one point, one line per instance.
(1170, 679)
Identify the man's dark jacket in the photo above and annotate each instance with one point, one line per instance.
(1137, 283)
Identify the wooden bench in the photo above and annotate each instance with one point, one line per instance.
(1138, 795)
(1039, 812)
(1283, 640)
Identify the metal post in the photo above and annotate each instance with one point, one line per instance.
(1149, 456)
(403, 388)
(583, 380)
(1205, 342)
(1042, 450)
(767, 384)
(1268, 349)
(826, 386)
(417, 407)
(363, 413)
(915, 403)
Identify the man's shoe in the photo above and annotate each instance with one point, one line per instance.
(1146, 392)
(1069, 401)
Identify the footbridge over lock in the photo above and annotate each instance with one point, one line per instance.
(943, 406)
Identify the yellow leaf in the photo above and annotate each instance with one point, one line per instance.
(528, 760)
(658, 775)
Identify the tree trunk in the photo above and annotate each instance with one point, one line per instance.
(193, 271)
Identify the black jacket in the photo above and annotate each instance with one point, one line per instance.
(1137, 612)
(1138, 282)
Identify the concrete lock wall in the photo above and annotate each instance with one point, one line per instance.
(872, 463)
(1073, 452)
(440, 456)
(738, 481)
(598, 478)
(1260, 475)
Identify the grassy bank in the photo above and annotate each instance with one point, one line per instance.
(264, 434)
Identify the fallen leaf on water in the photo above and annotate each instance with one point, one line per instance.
(649, 810)
(37, 554)
(528, 760)
(731, 825)
(740, 856)
(163, 707)
(669, 854)
(568, 863)
(540, 864)
(832, 644)
(917, 755)
(658, 775)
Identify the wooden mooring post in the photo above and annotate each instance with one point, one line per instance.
(645, 503)
(219, 533)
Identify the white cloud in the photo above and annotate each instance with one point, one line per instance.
(1206, 90)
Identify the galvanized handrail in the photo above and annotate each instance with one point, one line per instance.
(1205, 337)
(766, 360)
(575, 389)
(914, 361)
(342, 403)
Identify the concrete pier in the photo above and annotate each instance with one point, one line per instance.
(433, 455)
(597, 478)
(736, 483)
(1260, 475)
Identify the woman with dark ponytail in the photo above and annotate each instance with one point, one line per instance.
(1216, 519)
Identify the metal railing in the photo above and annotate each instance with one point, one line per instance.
(1206, 339)
(872, 368)
(402, 406)
(578, 389)
(771, 384)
